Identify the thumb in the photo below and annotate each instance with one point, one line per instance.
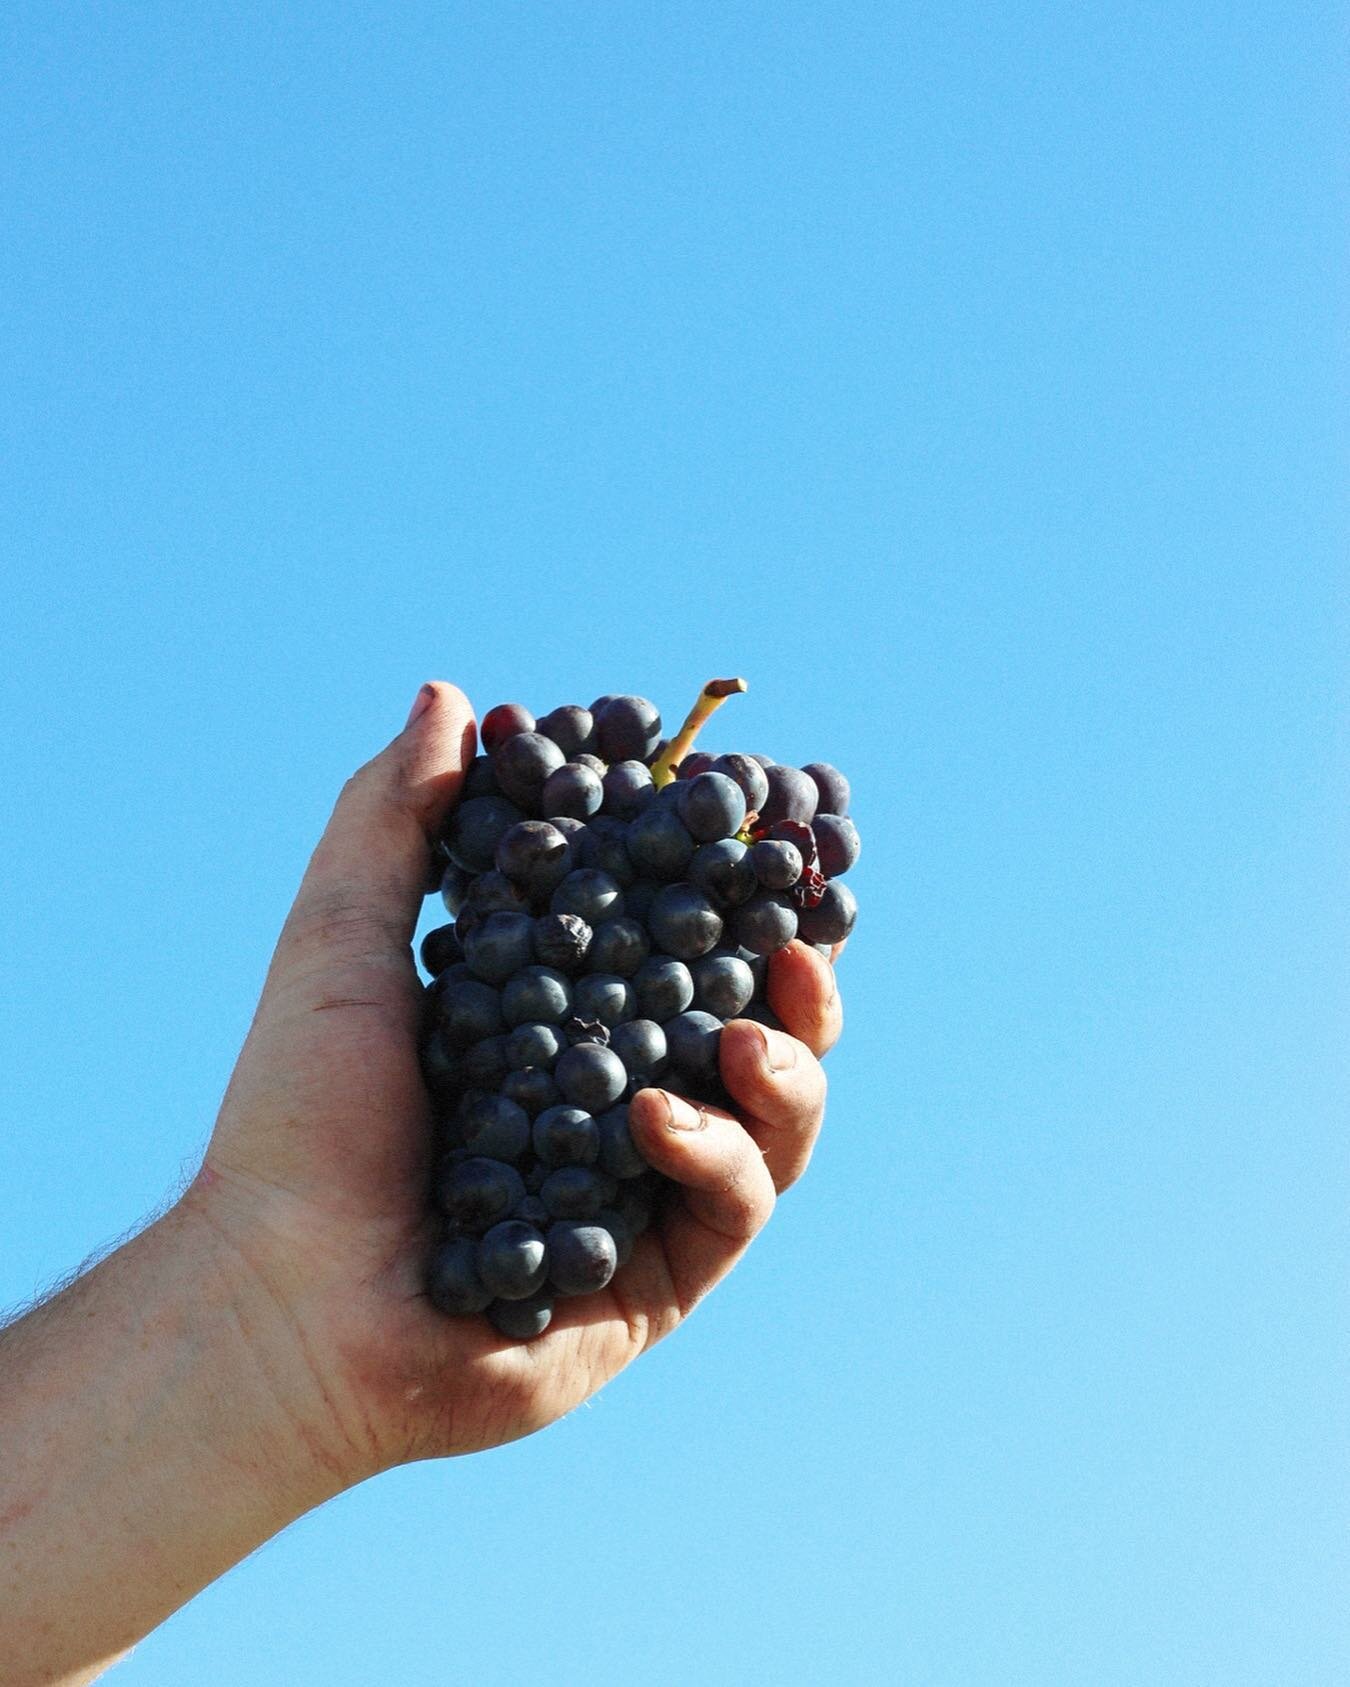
(363, 888)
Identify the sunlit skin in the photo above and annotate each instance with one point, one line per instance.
(267, 1342)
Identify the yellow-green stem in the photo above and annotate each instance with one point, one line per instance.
(710, 699)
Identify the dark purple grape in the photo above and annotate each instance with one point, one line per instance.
(628, 789)
(501, 945)
(475, 1193)
(696, 762)
(536, 993)
(492, 1126)
(535, 856)
(603, 846)
(723, 871)
(792, 796)
(604, 997)
(711, 807)
(572, 790)
(522, 764)
(765, 923)
(749, 775)
(442, 1072)
(569, 727)
(766, 762)
(590, 895)
(467, 1012)
(683, 922)
(663, 987)
(694, 1040)
(831, 920)
(491, 893)
(659, 844)
(641, 1045)
(511, 1260)
(475, 829)
(532, 1088)
(581, 1257)
(453, 1283)
(570, 827)
(485, 1064)
(723, 984)
(577, 1191)
(621, 1233)
(567, 1136)
(454, 885)
(440, 949)
(504, 722)
(619, 946)
(831, 786)
(523, 1320)
(533, 1211)
(561, 941)
(534, 1044)
(837, 843)
(591, 1077)
(479, 780)
(627, 729)
(777, 865)
(619, 1154)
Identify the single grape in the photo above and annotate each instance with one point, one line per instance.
(792, 796)
(619, 946)
(492, 893)
(831, 786)
(493, 1127)
(569, 727)
(561, 941)
(619, 1155)
(723, 984)
(476, 1193)
(590, 1076)
(511, 1260)
(523, 1320)
(468, 1011)
(590, 895)
(501, 945)
(485, 1064)
(480, 780)
(641, 1045)
(766, 762)
(604, 997)
(777, 865)
(577, 1191)
(712, 806)
(454, 885)
(694, 1039)
(723, 871)
(476, 828)
(603, 846)
(581, 1257)
(659, 844)
(831, 920)
(453, 1284)
(749, 775)
(628, 789)
(535, 856)
(536, 993)
(684, 922)
(534, 1044)
(627, 729)
(765, 923)
(837, 843)
(442, 1072)
(663, 987)
(573, 790)
(569, 826)
(696, 762)
(504, 722)
(531, 1088)
(567, 1136)
(621, 1233)
(522, 764)
(440, 949)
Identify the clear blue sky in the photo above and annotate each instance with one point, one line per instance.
(964, 375)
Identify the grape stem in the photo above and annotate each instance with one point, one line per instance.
(710, 699)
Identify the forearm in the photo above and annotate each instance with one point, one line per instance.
(145, 1447)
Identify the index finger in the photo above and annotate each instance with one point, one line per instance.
(805, 996)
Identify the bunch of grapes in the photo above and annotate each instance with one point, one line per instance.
(615, 899)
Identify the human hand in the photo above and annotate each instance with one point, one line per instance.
(318, 1170)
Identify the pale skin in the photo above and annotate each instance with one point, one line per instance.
(266, 1343)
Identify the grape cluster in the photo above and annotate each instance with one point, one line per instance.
(608, 919)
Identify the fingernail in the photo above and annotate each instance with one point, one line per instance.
(780, 1052)
(421, 703)
(681, 1115)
